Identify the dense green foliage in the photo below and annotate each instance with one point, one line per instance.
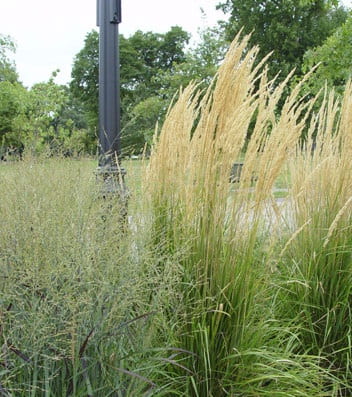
(7, 67)
(143, 56)
(153, 67)
(334, 56)
(42, 118)
(12, 108)
(48, 117)
(287, 28)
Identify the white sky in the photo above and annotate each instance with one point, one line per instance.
(50, 33)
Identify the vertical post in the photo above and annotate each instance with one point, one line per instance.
(108, 19)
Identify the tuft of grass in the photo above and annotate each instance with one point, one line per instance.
(77, 315)
(223, 238)
(316, 268)
(210, 288)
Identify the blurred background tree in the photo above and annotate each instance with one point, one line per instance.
(143, 57)
(287, 28)
(153, 67)
(335, 58)
(7, 66)
(64, 118)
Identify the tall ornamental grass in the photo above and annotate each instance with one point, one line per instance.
(210, 288)
(316, 262)
(221, 231)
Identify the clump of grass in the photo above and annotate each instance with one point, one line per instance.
(77, 316)
(317, 264)
(223, 237)
(209, 290)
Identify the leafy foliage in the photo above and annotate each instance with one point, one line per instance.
(12, 107)
(334, 56)
(43, 117)
(85, 72)
(287, 28)
(143, 56)
(7, 67)
(153, 67)
(200, 64)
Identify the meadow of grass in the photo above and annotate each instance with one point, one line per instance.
(76, 306)
(211, 289)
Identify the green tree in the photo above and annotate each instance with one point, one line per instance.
(288, 28)
(153, 67)
(153, 54)
(53, 118)
(7, 66)
(141, 126)
(143, 57)
(85, 74)
(44, 118)
(200, 64)
(334, 56)
(13, 99)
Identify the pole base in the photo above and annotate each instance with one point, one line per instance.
(113, 189)
(112, 179)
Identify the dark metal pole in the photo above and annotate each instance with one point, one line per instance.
(108, 19)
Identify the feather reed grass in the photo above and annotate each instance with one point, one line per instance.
(317, 264)
(222, 234)
(215, 289)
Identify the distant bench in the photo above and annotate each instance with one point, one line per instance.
(236, 171)
(235, 175)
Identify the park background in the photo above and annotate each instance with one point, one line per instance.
(206, 287)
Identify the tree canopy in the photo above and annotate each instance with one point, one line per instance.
(287, 28)
(44, 117)
(65, 118)
(7, 66)
(299, 33)
(153, 66)
(335, 58)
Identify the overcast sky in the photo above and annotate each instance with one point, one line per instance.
(49, 33)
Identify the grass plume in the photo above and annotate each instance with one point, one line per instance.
(221, 231)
